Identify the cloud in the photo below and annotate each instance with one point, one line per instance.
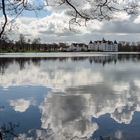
(118, 134)
(20, 105)
(113, 90)
(52, 29)
(54, 25)
(121, 16)
(118, 84)
(71, 111)
(137, 82)
(69, 114)
(137, 20)
(66, 116)
(50, 76)
(121, 87)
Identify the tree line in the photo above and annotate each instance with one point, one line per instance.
(35, 45)
(129, 48)
(23, 45)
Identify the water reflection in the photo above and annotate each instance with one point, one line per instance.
(71, 114)
(72, 98)
(20, 105)
(102, 59)
(7, 131)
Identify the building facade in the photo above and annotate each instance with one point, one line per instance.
(105, 46)
(77, 47)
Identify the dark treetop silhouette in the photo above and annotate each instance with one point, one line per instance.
(99, 9)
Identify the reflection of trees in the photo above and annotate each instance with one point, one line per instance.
(126, 57)
(4, 63)
(22, 61)
(7, 131)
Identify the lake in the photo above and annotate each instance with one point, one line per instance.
(87, 96)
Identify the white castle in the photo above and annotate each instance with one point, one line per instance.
(106, 46)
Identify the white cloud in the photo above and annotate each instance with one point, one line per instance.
(121, 16)
(137, 20)
(54, 26)
(121, 87)
(118, 134)
(137, 82)
(71, 118)
(57, 79)
(113, 89)
(71, 113)
(65, 116)
(20, 105)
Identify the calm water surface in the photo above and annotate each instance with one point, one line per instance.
(73, 98)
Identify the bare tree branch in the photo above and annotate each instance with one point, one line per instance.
(5, 18)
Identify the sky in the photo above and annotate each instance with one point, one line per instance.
(51, 24)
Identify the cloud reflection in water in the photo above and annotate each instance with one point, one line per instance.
(80, 91)
(20, 105)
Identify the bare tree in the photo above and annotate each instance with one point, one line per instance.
(77, 9)
(5, 16)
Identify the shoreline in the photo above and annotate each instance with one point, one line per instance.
(63, 54)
